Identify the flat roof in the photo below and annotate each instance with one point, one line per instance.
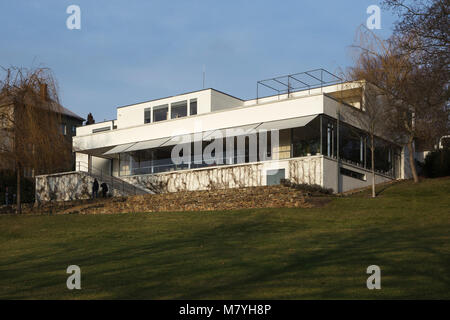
(221, 92)
(181, 94)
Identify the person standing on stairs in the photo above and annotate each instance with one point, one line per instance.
(95, 189)
(104, 189)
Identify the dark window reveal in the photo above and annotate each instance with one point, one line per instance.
(178, 110)
(353, 174)
(193, 107)
(160, 113)
(147, 115)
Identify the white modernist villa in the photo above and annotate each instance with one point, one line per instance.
(302, 143)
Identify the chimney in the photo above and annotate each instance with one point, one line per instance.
(44, 91)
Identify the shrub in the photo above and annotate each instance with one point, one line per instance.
(8, 179)
(312, 188)
(437, 164)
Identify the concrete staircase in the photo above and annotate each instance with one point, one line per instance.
(114, 183)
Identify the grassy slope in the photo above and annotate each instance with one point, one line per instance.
(266, 253)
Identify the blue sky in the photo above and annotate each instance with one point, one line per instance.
(132, 51)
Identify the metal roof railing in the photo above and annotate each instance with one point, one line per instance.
(307, 80)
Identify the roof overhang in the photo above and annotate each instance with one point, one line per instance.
(212, 134)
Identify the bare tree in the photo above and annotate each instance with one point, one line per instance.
(424, 27)
(30, 117)
(426, 24)
(415, 95)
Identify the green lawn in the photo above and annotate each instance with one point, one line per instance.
(319, 253)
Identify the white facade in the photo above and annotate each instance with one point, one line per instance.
(100, 145)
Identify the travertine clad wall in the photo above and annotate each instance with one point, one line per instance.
(302, 170)
(306, 170)
(67, 186)
(201, 179)
(78, 185)
(317, 170)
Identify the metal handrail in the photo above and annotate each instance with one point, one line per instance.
(158, 168)
(288, 82)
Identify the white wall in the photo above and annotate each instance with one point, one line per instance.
(240, 116)
(302, 170)
(101, 165)
(208, 100)
(347, 183)
(133, 115)
(116, 168)
(81, 161)
(304, 93)
(329, 177)
(84, 130)
(347, 113)
(220, 101)
(318, 170)
(307, 170)
(247, 175)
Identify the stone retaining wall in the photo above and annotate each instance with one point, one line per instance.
(208, 200)
(221, 199)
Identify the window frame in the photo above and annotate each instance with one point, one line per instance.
(160, 107)
(191, 103)
(176, 105)
(149, 111)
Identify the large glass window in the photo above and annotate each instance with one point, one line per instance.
(178, 110)
(354, 147)
(351, 144)
(160, 112)
(193, 107)
(148, 161)
(385, 153)
(159, 159)
(264, 146)
(147, 115)
(306, 140)
(124, 164)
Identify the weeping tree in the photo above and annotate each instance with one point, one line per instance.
(30, 121)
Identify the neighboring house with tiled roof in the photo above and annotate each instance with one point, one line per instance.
(69, 122)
